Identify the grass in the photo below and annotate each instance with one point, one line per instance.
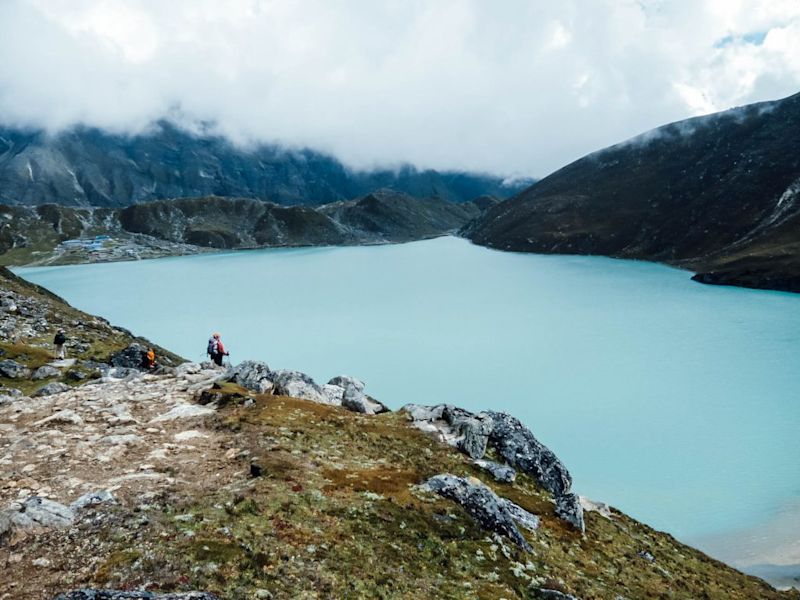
(337, 514)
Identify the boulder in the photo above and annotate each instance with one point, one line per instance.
(345, 380)
(460, 428)
(523, 518)
(62, 417)
(333, 394)
(188, 368)
(483, 505)
(501, 473)
(297, 385)
(38, 512)
(253, 375)
(119, 595)
(45, 372)
(472, 431)
(13, 370)
(183, 411)
(520, 449)
(569, 509)
(354, 399)
(55, 387)
(129, 358)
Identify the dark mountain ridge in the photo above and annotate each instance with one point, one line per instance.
(716, 194)
(86, 166)
(36, 235)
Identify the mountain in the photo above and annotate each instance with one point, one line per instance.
(86, 166)
(718, 194)
(36, 235)
(190, 482)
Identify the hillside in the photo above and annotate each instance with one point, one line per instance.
(90, 167)
(715, 194)
(252, 482)
(34, 235)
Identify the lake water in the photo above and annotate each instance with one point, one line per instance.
(674, 401)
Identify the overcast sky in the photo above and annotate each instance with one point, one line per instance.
(508, 86)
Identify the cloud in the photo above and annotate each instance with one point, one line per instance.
(515, 87)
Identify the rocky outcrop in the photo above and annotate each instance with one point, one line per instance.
(297, 385)
(472, 433)
(352, 395)
(455, 426)
(253, 375)
(38, 512)
(55, 387)
(487, 508)
(570, 509)
(130, 357)
(13, 370)
(501, 473)
(518, 446)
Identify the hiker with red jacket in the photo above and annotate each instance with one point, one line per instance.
(216, 349)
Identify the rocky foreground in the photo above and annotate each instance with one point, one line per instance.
(200, 483)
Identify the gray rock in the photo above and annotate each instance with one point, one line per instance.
(460, 428)
(93, 498)
(569, 509)
(13, 370)
(188, 368)
(646, 555)
(354, 399)
(297, 385)
(518, 446)
(184, 411)
(527, 520)
(420, 413)
(39, 512)
(253, 375)
(472, 431)
(481, 503)
(64, 416)
(333, 394)
(130, 357)
(118, 595)
(55, 387)
(45, 372)
(501, 473)
(344, 380)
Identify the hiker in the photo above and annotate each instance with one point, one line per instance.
(216, 349)
(59, 342)
(149, 359)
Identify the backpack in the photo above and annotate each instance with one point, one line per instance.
(212, 347)
(60, 338)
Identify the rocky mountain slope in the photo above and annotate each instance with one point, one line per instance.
(34, 235)
(199, 483)
(718, 195)
(89, 167)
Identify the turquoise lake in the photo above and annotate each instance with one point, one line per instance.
(673, 401)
